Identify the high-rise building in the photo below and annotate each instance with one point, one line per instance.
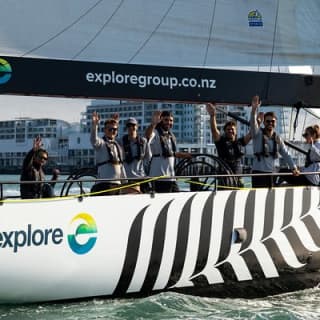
(69, 145)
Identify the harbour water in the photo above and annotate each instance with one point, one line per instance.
(302, 305)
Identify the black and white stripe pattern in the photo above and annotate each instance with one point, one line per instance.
(188, 243)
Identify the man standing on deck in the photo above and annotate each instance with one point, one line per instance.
(230, 148)
(163, 149)
(109, 156)
(267, 145)
(32, 170)
(136, 154)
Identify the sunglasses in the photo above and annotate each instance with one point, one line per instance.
(43, 158)
(270, 121)
(130, 125)
(112, 129)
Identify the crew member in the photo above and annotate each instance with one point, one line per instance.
(267, 145)
(109, 157)
(312, 163)
(136, 154)
(163, 147)
(32, 170)
(230, 148)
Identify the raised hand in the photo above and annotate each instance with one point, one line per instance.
(255, 102)
(211, 109)
(156, 117)
(95, 118)
(260, 117)
(37, 143)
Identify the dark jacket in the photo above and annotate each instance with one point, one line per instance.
(31, 171)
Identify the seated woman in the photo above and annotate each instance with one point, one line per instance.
(312, 164)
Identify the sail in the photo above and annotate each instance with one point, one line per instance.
(181, 50)
(249, 34)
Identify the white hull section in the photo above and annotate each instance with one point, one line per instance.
(116, 245)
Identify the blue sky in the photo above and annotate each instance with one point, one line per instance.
(37, 107)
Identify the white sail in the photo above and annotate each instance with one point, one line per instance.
(222, 33)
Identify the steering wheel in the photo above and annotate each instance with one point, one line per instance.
(206, 165)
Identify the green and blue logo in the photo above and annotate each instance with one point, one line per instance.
(5, 71)
(84, 237)
(255, 19)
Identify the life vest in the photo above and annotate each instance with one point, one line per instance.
(128, 157)
(112, 159)
(308, 161)
(229, 150)
(165, 137)
(266, 152)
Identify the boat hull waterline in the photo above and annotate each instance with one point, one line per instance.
(118, 246)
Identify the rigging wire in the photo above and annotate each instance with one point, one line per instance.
(152, 33)
(283, 121)
(274, 36)
(305, 118)
(99, 31)
(273, 47)
(312, 113)
(63, 30)
(210, 33)
(291, 124)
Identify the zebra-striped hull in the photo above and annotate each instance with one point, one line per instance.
(246, 243)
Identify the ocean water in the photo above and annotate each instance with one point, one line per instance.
(302, 305)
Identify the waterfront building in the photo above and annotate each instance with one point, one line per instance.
(16, 139)
(69, 144)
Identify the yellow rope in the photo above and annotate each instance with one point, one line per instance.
(120, 188)
(218, 186)
(233, 188)
(83, 195)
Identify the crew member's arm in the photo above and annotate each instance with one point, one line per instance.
(254, 124)
(287, 157)
(211, 109)
(28, 160)
(156, 118)
(54, 178)
(94, 139)
(183, 155)
(247, 138)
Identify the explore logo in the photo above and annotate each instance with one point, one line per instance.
(30, 237)
(5, 71)
(84, 237)
(81, 240)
